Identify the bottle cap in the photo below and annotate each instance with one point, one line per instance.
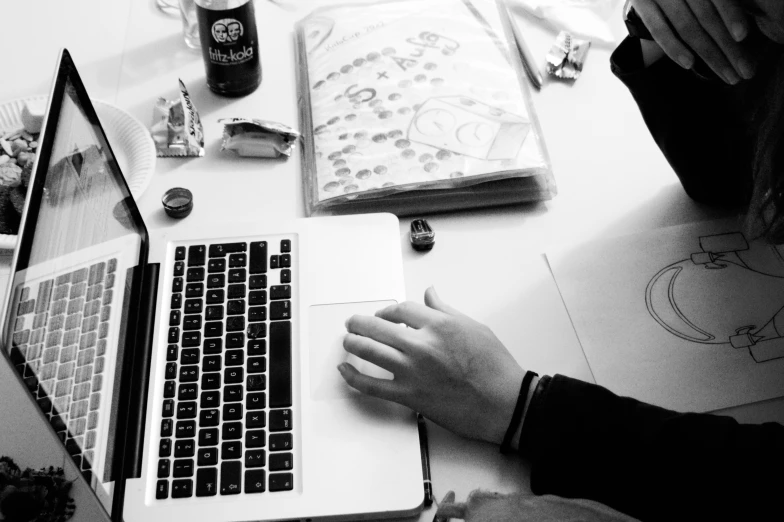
(177, 202)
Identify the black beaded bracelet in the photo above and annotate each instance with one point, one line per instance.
(506, 445)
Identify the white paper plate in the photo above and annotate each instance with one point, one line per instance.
(130, 141)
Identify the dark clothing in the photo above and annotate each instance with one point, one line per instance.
(654, 464)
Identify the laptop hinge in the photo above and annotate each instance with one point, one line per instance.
(133, 393)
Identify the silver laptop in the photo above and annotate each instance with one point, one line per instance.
(193, 377)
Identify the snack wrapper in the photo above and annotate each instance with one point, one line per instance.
(257, 138)
(176, 128)
(566, 57)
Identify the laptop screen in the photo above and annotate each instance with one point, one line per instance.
(71, 293)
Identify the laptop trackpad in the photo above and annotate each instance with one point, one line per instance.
(327, 325)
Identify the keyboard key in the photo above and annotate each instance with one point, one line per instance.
(236, 291)
(186, 410)
(257, 314)
(196, 274)
(216, 266)
(191, 322)
(231, 450)
(257, 330)
(174, 335)
(179, 269)
(216, 281)
(281, 461)
(285, 260)
(212, 363)
(280, 310)
(206, 482)
(285, 276)
(238, 260)
(169, 389)
(258, 257)
(195, 290)
(213, 346)
(182, 488)
(220, 250)
(256, 382)
(257, 281)
(274, 261)
(177, 283)
(167, 408)
(281, 481)
(231, 431)
(164, 448)
(210, 418)
(174, 318)
(215, 296)
(193, 306)
(257, 347)
(187, 392)
(255, 458)
(257, 297)
(44, 295)
(208, 437)
(280, 420)
(210, 399)
(232, 393)
(254, 481)
(255, 438)
(256, 401)
(237, 275)
(232, 411)
(207, 457)
(184, 448)
(211, 381)
(235, 358)
(255, 419)
(280, 365)
(285, 245)
(179, 253)
(164, 468)
(182, 468)
(257, 364)
(176, 301)
(234, 307)
(214, 313)
(196, 255)
(186, 429)
(231, 478)
(172, 353)
(166, 427)
(189, 373)
(190, 356)
(213, 329)
(235, 323)
(162, 489)
(170, 370)
(191, 339)
(233, 375)
(280, 442)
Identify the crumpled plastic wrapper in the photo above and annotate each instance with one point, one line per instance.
(176, 128)
(566, 57)
(257, 138)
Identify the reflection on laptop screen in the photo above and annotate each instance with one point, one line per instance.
(66, 319)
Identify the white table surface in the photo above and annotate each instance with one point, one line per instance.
(611, 177)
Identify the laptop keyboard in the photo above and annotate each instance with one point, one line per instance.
(59, 348)
(227, 417)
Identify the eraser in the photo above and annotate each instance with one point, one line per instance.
(33, 113)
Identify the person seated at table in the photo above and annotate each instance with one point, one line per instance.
(726, 144)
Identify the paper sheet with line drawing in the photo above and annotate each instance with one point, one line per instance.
(689, 317)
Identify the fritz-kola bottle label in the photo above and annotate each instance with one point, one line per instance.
(230, 49)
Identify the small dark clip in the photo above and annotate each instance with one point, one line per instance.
(422, 236)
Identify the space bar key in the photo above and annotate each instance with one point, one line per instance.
(280, 364)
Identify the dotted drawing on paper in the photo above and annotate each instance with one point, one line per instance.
(730, 292)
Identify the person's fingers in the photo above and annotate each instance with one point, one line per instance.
(656, 22)
(409, 313)
(735, 19)
(435, 302)
(381, 388)
(381, 330)
(372, 351)
(720, 51)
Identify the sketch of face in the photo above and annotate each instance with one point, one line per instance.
(234, 31)
(219, 32)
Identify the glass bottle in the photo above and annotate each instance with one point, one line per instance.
(229, 46)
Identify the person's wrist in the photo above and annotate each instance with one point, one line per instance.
(516, 420)
(516, 439)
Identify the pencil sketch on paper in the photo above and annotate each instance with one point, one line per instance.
(730, 292)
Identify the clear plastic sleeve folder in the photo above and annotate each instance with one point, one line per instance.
(411, 106)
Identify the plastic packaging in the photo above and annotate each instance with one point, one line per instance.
(176, 127)
(257, 138)
(416, 105)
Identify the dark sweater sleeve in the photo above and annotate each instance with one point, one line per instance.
(699, 124)
(583, 441)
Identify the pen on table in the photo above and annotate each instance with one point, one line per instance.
(425, 453)
(529, 62)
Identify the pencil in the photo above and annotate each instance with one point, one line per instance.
(529, 62)
(425, 452)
